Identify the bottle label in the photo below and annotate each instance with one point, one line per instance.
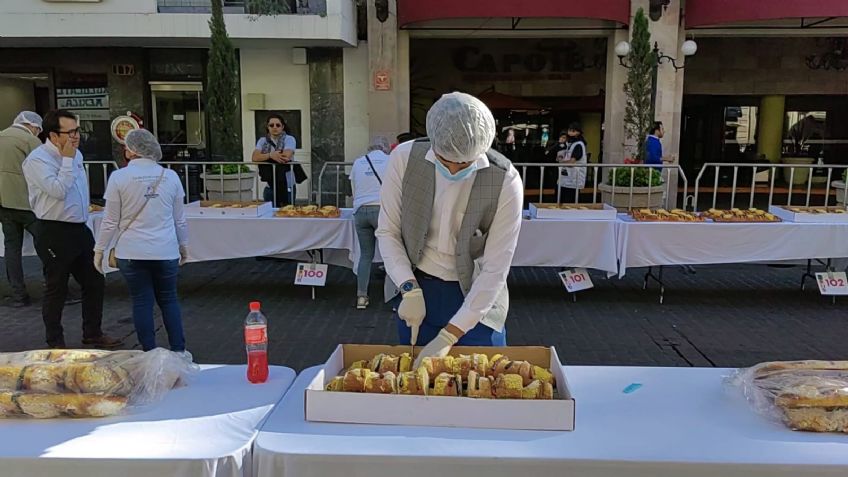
(255, 334)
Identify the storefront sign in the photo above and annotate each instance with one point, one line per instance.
(101, 102)
(382, 81)
(553, 59)
(122, 125)
(90, 104)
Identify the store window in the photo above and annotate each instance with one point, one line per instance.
(815, 127)
(178, 114)
(740, 128)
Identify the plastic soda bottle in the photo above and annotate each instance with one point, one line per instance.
(256, 344)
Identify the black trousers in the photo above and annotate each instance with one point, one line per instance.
(15, 223)
(68, 249)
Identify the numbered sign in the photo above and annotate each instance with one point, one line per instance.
(576, 280)
(311, 274)
(832, 283)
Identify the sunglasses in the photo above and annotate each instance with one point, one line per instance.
(277, 125)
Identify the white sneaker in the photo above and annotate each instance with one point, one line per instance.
(362, 302)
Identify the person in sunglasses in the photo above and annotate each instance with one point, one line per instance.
(58, 194)
(276, 147)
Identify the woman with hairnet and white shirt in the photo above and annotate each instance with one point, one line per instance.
(449, 221)
(144, 213)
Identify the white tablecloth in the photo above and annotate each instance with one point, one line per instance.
(205, 429)
(643, 244)
(567, 243)
(681, 422)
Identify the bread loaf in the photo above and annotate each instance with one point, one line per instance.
(817, 419)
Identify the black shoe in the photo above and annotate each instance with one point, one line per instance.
(103, 341)
(60, 345)
(17, 303)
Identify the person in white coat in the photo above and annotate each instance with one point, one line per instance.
(144, 215)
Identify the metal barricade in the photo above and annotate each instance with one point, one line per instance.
(754, 189)
(222, 189)
(670, 174)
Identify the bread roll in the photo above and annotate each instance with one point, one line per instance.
(405, 363)
(817, 419)
(521, 368)
(479, 386)
(10, 377)
(354, 380)
(45, 406)
(335, 384)
(542, 375)
(509, 386)
(359, 365)
(447, 384)
(8, 407)
(96, 378)
(765, 369)
(436, 366)
(414, 382)
(43, 378)
(381, 384)
(466, 363)
(387, 364)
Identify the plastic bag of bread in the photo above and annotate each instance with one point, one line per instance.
(46, 384)
(804, 395)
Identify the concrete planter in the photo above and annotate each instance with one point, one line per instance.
(801, 175)
(643, 197)
(229, 186)
(839, 187)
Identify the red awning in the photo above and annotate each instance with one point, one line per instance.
(718, 12)
(413, 11)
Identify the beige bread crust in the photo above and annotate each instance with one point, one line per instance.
(436, 366)
(354, 380)
(94, 378)
(381, 384)
(46, 406)
(335, 384)
(447, 384)
(10, 377)
(817, 419)
(509, 386)
(789, 400)
(765, 369)
(479, 386)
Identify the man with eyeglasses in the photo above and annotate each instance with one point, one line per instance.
(16, 142)
(58, 194)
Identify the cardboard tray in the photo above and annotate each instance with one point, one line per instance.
(804, 217)
(557, 414)
(202, 209)
(594, 212)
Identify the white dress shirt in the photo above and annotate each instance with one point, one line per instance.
(439, 254)
(161, 226)
(366, 187)
(58, 188)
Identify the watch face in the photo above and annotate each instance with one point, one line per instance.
(408, 286)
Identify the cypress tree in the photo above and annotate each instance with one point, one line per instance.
(638, 114)
(222, 89)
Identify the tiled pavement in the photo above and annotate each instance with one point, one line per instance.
(720, 316)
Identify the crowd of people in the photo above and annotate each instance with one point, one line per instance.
(45, 192)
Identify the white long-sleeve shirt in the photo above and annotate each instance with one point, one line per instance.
(160, 229)
(58, 188)
(439, 254)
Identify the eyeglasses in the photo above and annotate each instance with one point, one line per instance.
(277, 125)
(71, 133)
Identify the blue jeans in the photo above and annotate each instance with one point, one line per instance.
(443, 299)
(149, 280)
(365, 220)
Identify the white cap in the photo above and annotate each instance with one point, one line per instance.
(460, 127)
(29, 118)
(143, 143)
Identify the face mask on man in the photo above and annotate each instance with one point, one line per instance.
(459, 176)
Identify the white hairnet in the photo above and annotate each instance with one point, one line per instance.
(460, 127)
(380, 143)
(28, 117)
(143, 143)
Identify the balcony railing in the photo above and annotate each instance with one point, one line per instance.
(304, 7)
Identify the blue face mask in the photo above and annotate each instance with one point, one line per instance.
(459, 176)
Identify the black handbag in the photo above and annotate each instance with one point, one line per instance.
(299, 174)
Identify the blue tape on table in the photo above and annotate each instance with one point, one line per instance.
(631, 388)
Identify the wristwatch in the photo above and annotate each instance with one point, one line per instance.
(408, 286)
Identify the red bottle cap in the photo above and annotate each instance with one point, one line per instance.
(255, 306)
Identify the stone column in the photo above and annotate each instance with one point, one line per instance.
(615, 102)
(591, 123)
(126, 93)
(770, 127)
(326, 112)
(388, 60)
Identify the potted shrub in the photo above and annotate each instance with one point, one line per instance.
(647, 190)
(229, 182)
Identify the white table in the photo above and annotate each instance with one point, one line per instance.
(567, 243)
(203, 430)
(646, 244)
(681, 422)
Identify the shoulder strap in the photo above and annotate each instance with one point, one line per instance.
(373, 170)
(140, 210)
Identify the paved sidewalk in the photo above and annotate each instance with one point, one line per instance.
(720, 316)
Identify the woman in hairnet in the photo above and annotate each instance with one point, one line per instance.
(145, 217)
(449, 221)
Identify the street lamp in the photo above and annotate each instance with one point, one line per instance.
(688, 48)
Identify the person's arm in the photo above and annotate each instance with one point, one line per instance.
(111, 217)
(388, 233)
(497, 256)
(42, 177)
(289, 148)
(258, 155)
(354, 170)
(180, 223)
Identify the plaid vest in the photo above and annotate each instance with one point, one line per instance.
(419, 191)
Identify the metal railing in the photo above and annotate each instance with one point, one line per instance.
(594, 174)
(804, 188)
(200, 170)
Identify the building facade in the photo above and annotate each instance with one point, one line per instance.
(769, 79)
